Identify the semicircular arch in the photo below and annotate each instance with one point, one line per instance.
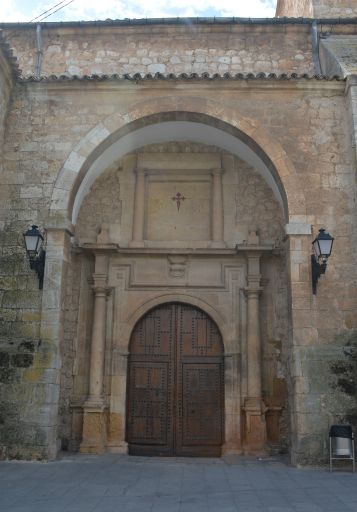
(179, 303)
(166, 298)
(131, 128)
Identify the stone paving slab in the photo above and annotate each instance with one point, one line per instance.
(120, 483)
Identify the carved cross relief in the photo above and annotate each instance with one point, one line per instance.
(178, 198)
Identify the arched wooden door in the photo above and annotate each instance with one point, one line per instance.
(175, 384)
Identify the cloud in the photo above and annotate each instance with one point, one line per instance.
(120, 9)
(86, 9)
(10, 11)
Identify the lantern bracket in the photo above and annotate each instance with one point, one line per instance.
(38, 265)
(317, 269)
(322, 246)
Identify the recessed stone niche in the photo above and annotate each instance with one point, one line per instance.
(178, 196)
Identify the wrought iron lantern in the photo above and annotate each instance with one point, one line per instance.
(37, 255)
(322, 246)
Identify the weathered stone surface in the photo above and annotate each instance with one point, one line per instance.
(60, 132)
(316, 8)
(167, 49)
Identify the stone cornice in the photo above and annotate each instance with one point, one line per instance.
(240, 249)
(240, 81)
(184, 77)
(205, 21)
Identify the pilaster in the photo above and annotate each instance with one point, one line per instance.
(217, 209)
(139, 210)
(95, 407)
(254, 407)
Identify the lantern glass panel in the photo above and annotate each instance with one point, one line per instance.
(317, 248)
(325, 247)
(33, 243)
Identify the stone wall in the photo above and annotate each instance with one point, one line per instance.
(18, 346)
(194, 48)
(6, 85)
(47, 120)
(294, 8)
(337, 55)
(316, 8)
(333, 9)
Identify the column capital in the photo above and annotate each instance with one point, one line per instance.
(254, 278)
(253, 264)
(101, 290)
(217, 172)
(99, 281)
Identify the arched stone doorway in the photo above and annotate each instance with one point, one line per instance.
(175, 384)
(230, 263)
(235, 278)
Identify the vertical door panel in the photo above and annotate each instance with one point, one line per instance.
(148, 403)
(199, 391)
(202, 412)
(151, 384)
(175, 386)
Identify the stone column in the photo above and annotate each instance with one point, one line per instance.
(95, 407)
(217, 209)
(139, 210)
(254, 408)
(98, 339)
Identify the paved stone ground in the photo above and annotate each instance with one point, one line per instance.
(119, 483)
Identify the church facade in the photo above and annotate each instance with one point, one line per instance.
(179, 171)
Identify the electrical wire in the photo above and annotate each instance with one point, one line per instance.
(53, 12)
(48, 10)
(45, 12)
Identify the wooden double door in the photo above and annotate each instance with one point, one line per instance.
(175, 384)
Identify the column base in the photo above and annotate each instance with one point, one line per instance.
(231, 449)
(95, 418)
(255, 434)
(122, 448)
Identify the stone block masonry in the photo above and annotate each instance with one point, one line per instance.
(316, 8)
(235, 48)
(284, 154)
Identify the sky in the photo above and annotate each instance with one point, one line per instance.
(27, 10)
